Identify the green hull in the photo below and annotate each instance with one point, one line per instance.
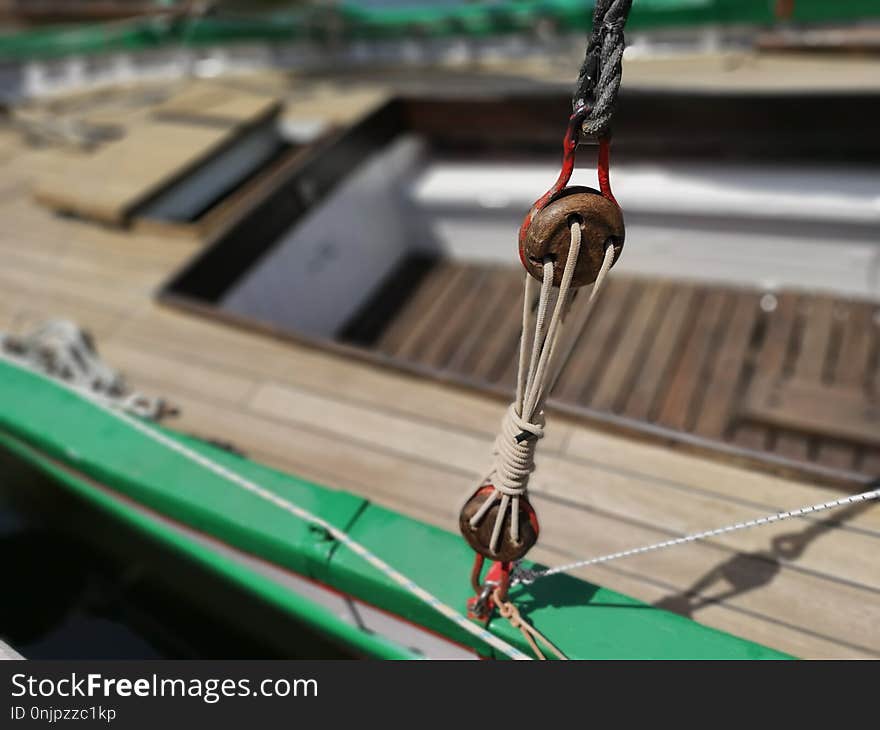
(138, 483)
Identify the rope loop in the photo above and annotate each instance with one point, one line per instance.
(509, 611)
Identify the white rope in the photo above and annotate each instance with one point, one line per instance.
(288, 506)
(539, 367)
(530, 576)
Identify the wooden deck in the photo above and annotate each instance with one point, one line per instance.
(786, 381)
(808, 586)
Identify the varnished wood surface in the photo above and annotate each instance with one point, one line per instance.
(154, 151)
(808, 586)
(789, 376)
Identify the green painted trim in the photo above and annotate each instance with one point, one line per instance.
(310, 613)
(359, 22)
(586, 621)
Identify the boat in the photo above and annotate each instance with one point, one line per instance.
(202, 519)
(280, 555)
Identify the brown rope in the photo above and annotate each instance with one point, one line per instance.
(529, 632)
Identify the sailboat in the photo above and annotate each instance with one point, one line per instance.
(275, 552)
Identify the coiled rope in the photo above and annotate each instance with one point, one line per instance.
(114, 409)
(539, 367)
(532, 636)
(524, 576)
(59, 348)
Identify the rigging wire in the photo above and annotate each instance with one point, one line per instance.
(526, 577)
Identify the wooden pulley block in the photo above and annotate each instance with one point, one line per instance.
(549, 234)
(480, 537)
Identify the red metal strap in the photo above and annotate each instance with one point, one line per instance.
(481, 605)
(569, 153)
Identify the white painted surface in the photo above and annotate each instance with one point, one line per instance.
(798, 226)
(766, 227)
(322, 271)
(801, 192)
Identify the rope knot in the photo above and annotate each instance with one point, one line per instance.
(514, 451)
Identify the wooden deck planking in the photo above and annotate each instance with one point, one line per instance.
(678, 356)
(416, 445)
(726, 376)
(582, 368)
(852, 362)
(155, 150)
(502, 340)
(496, 298)
(683, 387)
(647, 390)
(637, 331)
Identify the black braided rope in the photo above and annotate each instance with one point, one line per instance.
(600, 74)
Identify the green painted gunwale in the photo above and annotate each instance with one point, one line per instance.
(65, 435)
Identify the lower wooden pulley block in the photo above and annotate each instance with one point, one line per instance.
(480, 537)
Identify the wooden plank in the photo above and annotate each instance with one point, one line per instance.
(850, 368)
(640, 325)
(456, 321)
(779, 328)
(434, 315)
(647, 389)
(812, 355)
(809, 362)
(764, 493)
(684, 389)
(503, 292)
(621, 495)
(400, 327)
(595, 340)
(176, 375)
(239, 353)
(823, 544)
(215, 105)
(727, 372)
(23, 310)
(182, 133)
(124, 173)
(871, 463)
(802, 405)
(369, 425)
(501, 345)
(700, 573)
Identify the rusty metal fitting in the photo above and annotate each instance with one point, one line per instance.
(496, 584)
(549, 234)
(479, 537)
